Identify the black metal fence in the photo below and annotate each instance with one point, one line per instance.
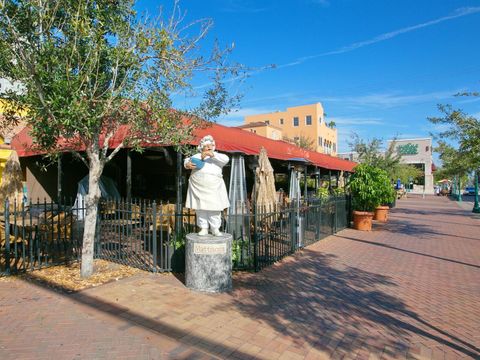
(143, 234)
(150, 235)
(36, 235)
(281, 233)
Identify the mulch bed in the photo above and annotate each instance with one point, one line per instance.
(67, 278)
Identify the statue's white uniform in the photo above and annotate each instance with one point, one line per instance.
(206, 192)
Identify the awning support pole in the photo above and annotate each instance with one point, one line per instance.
(129, 175)
(305, 187)
(179, 183)
(59, 178)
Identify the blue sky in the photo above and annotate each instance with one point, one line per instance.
(378, 67)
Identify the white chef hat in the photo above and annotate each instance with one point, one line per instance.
(206, 140)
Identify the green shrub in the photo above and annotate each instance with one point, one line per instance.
(323, 193)
(370, 187)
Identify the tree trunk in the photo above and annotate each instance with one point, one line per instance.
(91, 205)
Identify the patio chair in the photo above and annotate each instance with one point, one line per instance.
(57, 227)
(12, 238)
(165, 217)
(188, 219)
(108, 208)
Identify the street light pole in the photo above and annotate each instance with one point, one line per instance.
(476, 207)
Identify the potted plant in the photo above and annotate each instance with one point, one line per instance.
(364, 186)
(386, 195)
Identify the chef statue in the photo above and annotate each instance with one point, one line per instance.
(207, 193)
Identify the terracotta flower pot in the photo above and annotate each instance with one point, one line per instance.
(381, 213)
(362, 220)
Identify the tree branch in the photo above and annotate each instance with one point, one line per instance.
(114, 152)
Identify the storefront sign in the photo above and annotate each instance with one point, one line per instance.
(407, 149)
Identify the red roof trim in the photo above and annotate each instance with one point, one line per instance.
(227, 139)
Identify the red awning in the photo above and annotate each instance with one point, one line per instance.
(226, 139)
(234, 139)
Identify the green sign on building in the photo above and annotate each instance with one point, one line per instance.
(407, 149)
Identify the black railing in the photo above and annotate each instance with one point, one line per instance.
(36, 235)
(283, 232)
(150, 235)
(143, 234)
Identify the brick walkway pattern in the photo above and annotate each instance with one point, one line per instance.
(410, 289)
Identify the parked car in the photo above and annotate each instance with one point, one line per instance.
(469, 190)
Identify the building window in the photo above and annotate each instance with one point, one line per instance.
(320, 141)
(320, 120)
(295, 121)
(426, 149)
(308, 120)
(281, 121)
(334, 147)
(296, 138)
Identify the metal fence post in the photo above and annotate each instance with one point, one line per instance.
(293, 228)
(154, 235)
(98, 236)
(255, 239)
(336, 214)
(7, 237)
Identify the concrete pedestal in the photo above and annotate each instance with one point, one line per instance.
(208, 263)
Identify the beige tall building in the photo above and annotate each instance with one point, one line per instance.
(300, 121)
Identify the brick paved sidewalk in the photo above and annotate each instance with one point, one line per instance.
(408, 289)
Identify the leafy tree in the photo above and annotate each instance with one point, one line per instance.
(88, 69)
(455, 163)
(465, 130)
(405, 171)
(370, 152)
(302, 142)
(332, 124)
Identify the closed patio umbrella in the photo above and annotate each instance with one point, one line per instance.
(11, 186)
(265, 193)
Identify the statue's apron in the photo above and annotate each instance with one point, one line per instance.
(206, 192)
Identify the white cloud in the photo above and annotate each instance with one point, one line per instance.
(230, 122)
(467, 100)
(412, 136)
(356, 121)
(235, 117)
(242, 112)
(437, 128)
(387, 100)
(385, 36)
(379, 100)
